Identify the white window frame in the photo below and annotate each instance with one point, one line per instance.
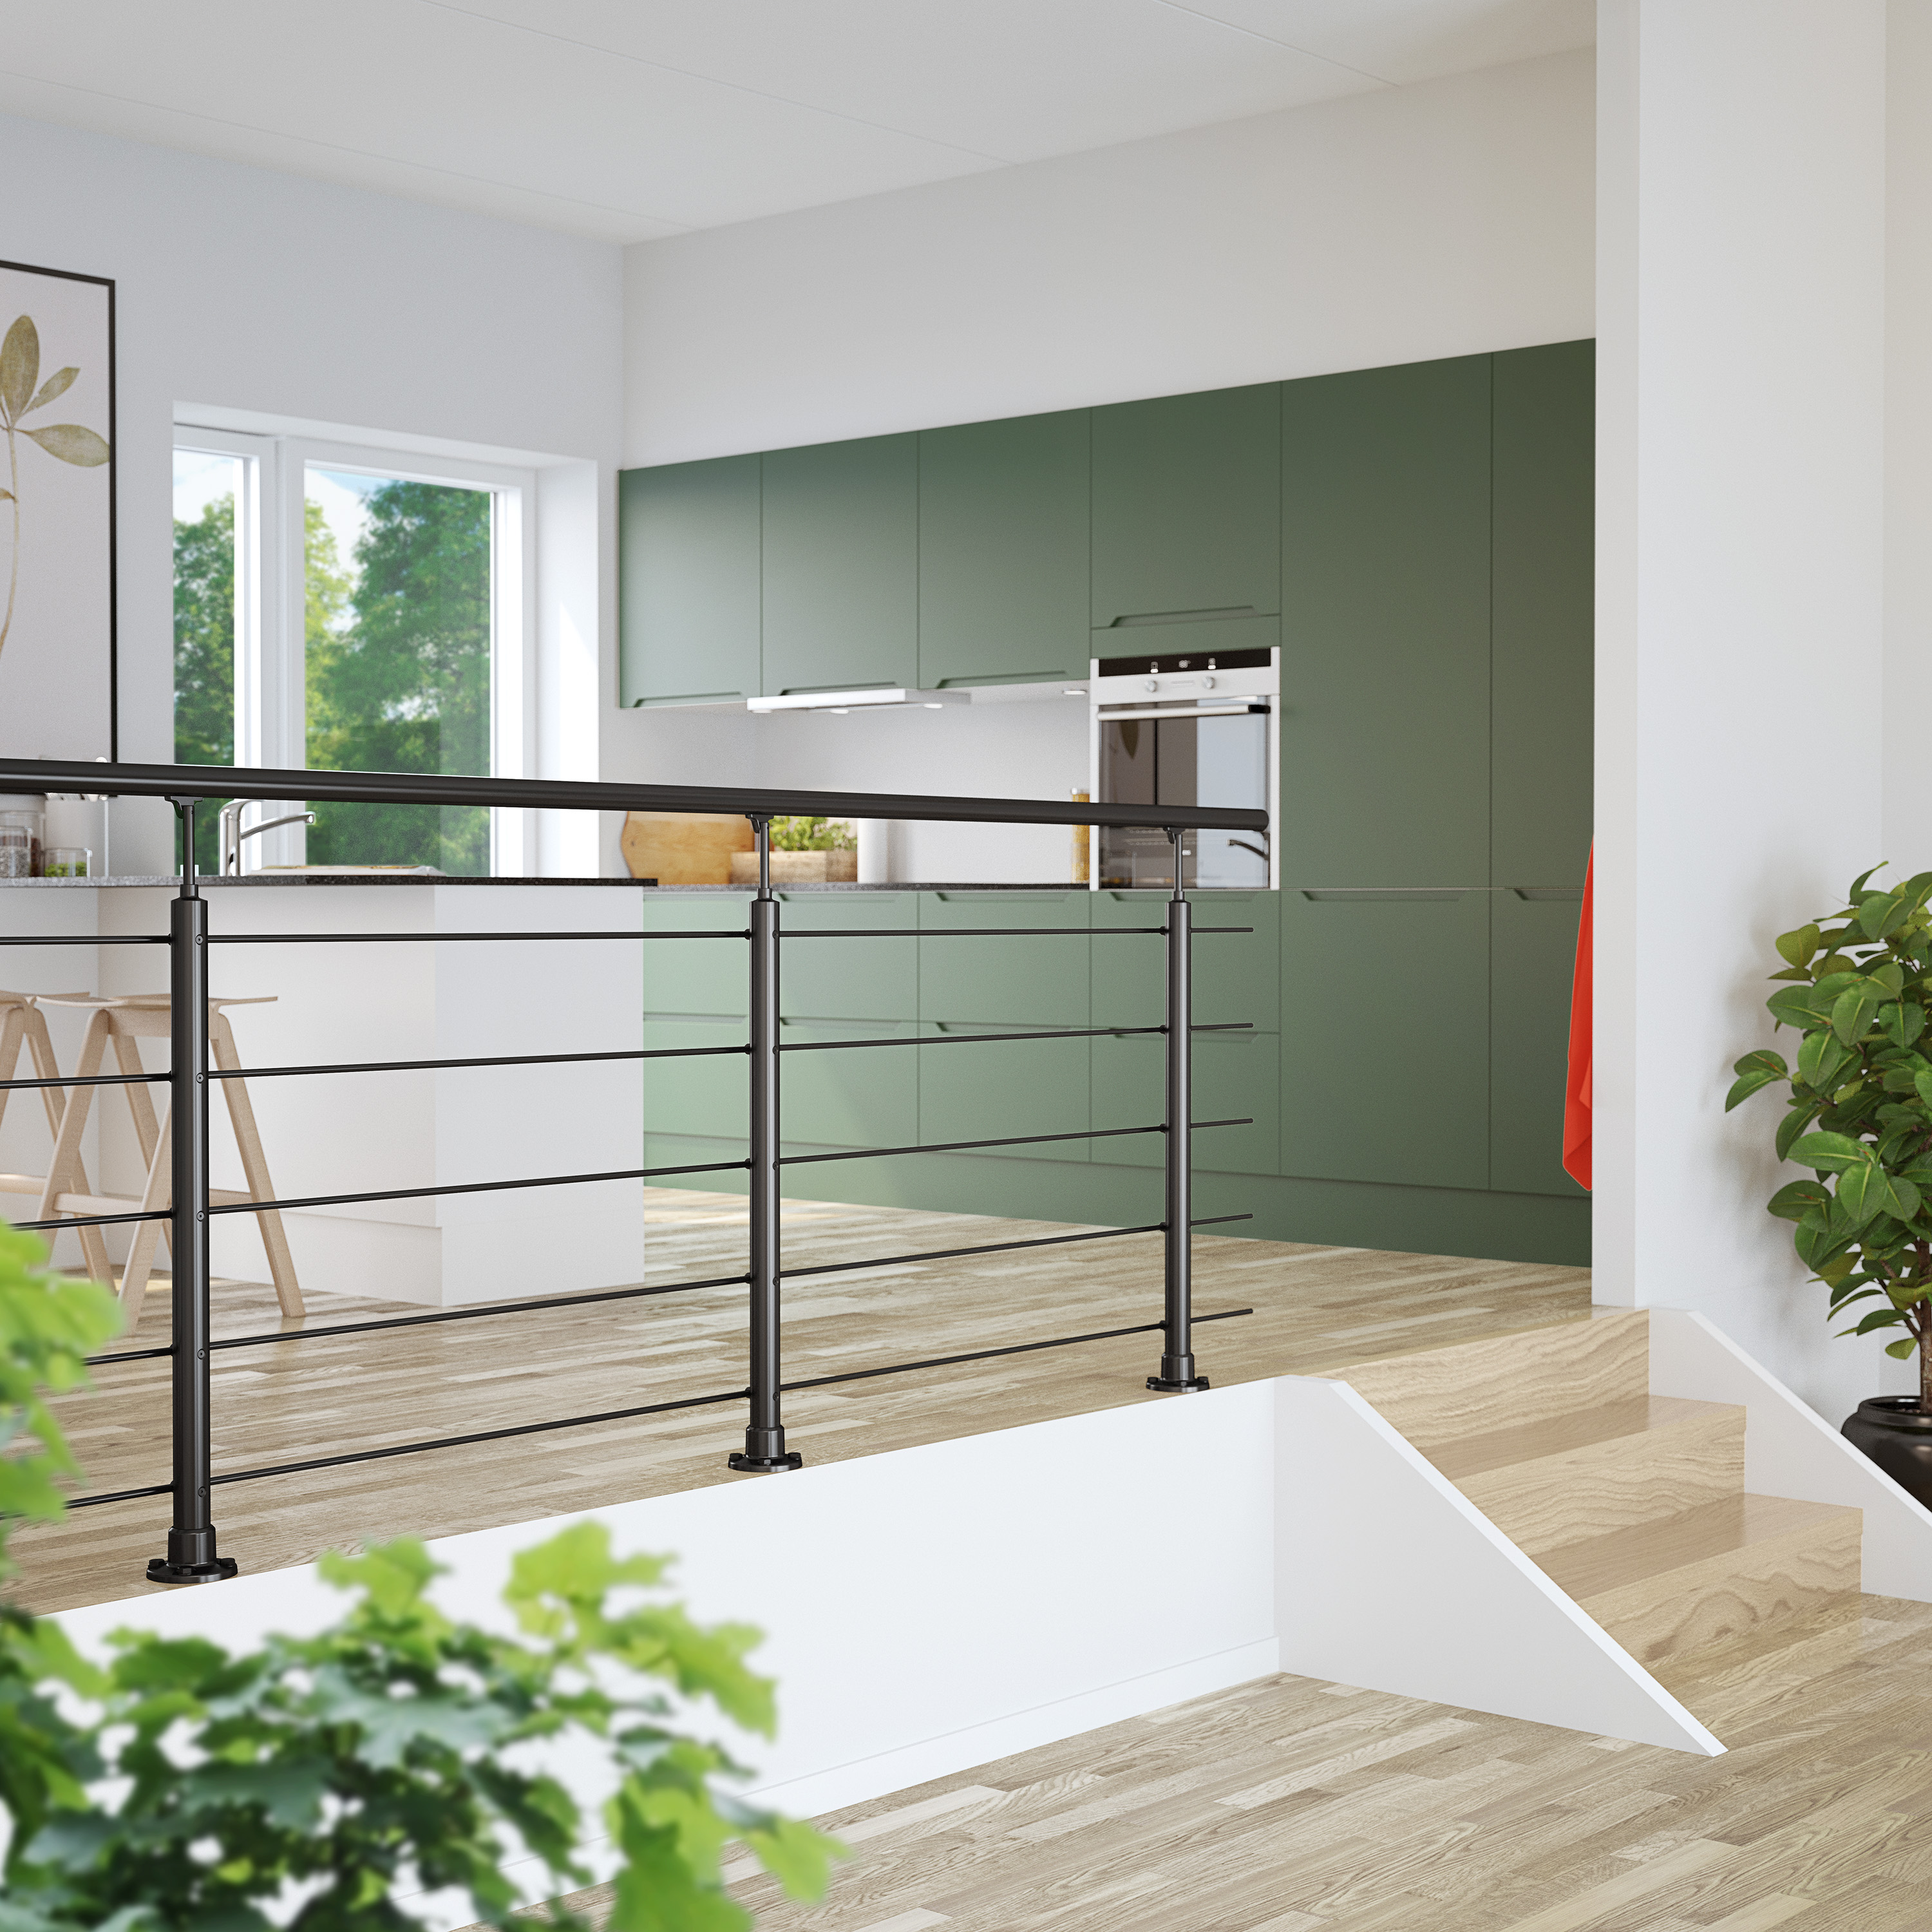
(271, 592)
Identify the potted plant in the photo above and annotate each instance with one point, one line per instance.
(1859, 992)
(811, 850)
(309, 1781)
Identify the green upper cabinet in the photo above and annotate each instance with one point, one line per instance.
(1385, 627)
(1186, 491)
(842, 565)
(688, 572)
(1003, 551)
(1545, 543)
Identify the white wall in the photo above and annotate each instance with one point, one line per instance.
(249, 289)
(1741, 420)
(1440, 220)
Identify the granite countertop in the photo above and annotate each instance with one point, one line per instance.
(212, 882)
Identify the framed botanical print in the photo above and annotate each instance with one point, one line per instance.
(57, 668)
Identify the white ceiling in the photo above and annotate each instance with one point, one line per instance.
(630, 120)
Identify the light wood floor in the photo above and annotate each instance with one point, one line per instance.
(1288, 1804)
(1314, 1307)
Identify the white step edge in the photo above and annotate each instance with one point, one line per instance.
(1388, 1577)
(1790, 1449)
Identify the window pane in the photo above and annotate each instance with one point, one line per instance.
(206, 487)
(398, 661)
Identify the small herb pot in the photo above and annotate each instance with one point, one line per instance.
(1897, 1434)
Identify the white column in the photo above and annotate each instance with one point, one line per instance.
(1742, 187)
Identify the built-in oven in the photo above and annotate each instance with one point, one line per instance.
(1197, 730)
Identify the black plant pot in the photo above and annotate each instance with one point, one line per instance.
(1897, 1434)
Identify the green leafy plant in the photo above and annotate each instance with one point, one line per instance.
(1860, 1108)
(307, 1781)
(812, 835)
(66, 442)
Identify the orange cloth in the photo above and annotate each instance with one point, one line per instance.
(1576, 1090)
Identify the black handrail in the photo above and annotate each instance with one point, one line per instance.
(191, 1546)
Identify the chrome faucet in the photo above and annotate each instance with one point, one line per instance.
(232, 831)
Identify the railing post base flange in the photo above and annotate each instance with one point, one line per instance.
(191, 1559)
(764, 1466)
(1176, 1377)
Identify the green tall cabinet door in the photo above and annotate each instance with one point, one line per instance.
(1003, 551)
(1385, 1035)
(1541, 695)
(687, 581)
(1186, 496)
(842, 565)
(1385, 627)
(1532, 956)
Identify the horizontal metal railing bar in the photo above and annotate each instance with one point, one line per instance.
(95, 1220)
(91, 939)
(493, 1059)
(987, 1354)
(475, 1314)
(399, 938)
(127, 1355)
(120, 1496)
(423, 1193)
(477, 1436)
(1002, 1247)
(1012, 1140)
(225, 782)
(959, 1039)
(92, 1080)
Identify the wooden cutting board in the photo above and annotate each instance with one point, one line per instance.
(684, 848)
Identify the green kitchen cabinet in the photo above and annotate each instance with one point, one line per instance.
(1385, 627)
(1035, 980)
(1533, 955)
(847, 1096)
(687, 979)
(865, 979)
(1236, 1077)
(695, 996)
(688, 591)
(1236, 974)
(1186, 491)
(1003, 530)
(1385, 1035)
(841, 554)
(1542, 668)
(706, 1095)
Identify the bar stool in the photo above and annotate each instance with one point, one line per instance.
(21, 1024)
(124, 1021)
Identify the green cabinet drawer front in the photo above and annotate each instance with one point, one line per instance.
(1236, 975)
(689, 592)
(706, 1095)
(1545, 547)
(1002, 1088)
(687, 978)
(1236, 1076)
(847, 979)
(1385, 627)
(842, 565)
(1185, 494)
(1003, 551)
(851, 1097)
(1385, 1038)
(1014, 981)
(1533, 954)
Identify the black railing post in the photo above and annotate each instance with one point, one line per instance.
(764, 1449)
(1177, 1374)
(191, 1557)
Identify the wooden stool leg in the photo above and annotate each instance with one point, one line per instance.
(40, 1044)
(156, 1197)
(13, 1031)
(127, 1057)
(64, 1168)
(255, 1166)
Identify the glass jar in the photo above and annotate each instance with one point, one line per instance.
(21, 844)
(69, 862)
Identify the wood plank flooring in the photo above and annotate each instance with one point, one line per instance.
(1287, 1805)
(1315, 1308)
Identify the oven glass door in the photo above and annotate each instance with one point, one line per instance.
(1185, 760)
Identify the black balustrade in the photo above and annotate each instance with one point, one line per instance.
(192, 1556)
